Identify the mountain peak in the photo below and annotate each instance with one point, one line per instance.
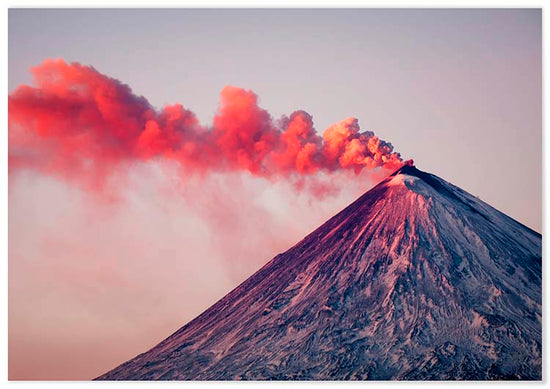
(416, 279)
(407, 168)
(435, 183)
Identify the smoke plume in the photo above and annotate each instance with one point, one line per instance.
(76, 122)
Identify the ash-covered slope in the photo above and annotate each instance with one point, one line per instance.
(416, 279)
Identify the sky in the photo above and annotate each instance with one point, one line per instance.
(93, 281)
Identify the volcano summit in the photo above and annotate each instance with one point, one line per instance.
(415, 280)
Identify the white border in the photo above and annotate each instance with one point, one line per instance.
(277, 4)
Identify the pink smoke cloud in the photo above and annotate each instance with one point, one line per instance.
(97, 262)
(82, 125)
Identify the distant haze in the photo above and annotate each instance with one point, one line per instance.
(92, 283)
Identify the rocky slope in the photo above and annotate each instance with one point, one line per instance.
(415, 280)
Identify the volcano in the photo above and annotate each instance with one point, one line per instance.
(415, 280)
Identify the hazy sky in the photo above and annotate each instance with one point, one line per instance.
(460, 91)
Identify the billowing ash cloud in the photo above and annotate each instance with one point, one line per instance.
(78, 122)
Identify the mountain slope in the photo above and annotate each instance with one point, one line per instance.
(416, 279)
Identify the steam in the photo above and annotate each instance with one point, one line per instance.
(80, 124)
